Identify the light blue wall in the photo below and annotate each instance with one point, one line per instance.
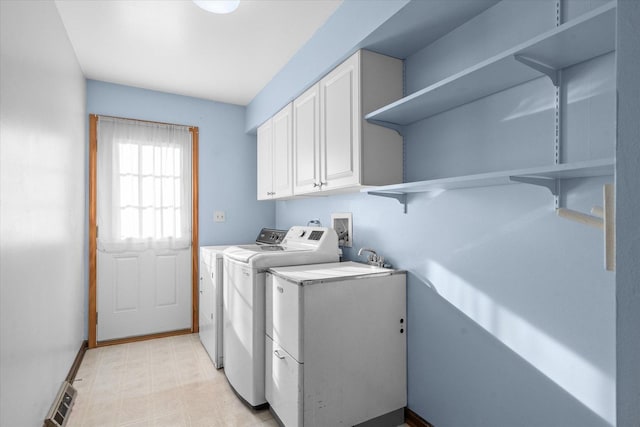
(478, 40)
(227, 155)
(511, 316)
(330, 45)
(509, 309)
(628, 214)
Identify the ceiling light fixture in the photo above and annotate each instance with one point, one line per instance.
(218, 6)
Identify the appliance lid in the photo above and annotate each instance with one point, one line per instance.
(244, 253)
(209, 254)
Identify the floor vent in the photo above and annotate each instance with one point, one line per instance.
(61, 408)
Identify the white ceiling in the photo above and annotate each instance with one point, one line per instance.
(174, 46)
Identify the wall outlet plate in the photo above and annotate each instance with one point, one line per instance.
(343, 224)
(218, 216)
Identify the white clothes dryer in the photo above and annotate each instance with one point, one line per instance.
(210, 302)
(210, 298)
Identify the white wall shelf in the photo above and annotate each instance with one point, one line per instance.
(581, 39)
(547, 176)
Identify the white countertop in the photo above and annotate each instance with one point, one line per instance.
(329, 271)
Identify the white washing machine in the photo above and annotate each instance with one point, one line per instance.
(335, 345)
(244, 301)
(210, 298)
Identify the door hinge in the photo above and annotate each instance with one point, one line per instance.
(96, 317)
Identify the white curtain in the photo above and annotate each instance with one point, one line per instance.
(143, 185)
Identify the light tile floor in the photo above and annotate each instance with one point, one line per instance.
(163, 382)
(168, 382)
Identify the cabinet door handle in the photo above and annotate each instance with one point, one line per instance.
(280, 289)
(316, 184)
(277, 353)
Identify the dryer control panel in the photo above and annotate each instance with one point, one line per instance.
(270, 236)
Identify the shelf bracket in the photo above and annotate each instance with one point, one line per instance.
(394, 126)
(550, 183)
(545, 69)
(400, 197)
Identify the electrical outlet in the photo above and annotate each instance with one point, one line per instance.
(218, 216)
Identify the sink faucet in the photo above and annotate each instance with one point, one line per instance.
(373, 258)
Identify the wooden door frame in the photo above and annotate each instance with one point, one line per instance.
(93, 313)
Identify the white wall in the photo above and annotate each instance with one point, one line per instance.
(42, 204)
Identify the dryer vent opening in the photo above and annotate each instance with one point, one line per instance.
(61, 408)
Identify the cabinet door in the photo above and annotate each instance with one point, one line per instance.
(265, 161)
(306, 141)
(283, 384)
(286, 306)
(340, 132)
(282, 146)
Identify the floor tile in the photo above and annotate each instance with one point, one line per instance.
(167, 382)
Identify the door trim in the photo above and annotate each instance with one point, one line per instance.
(116, 341)
(93, 158)
(92, 307)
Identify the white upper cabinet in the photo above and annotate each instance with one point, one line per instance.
(306, 134)
(282, 147)
(334, 148)
(340, 127)
(274, 156)
(265, 160)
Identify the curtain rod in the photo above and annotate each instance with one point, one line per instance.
(191, 127)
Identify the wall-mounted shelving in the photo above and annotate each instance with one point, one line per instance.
(546, 176)
(581, 39)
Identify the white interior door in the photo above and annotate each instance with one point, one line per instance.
(142, 293)
(144, 248)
